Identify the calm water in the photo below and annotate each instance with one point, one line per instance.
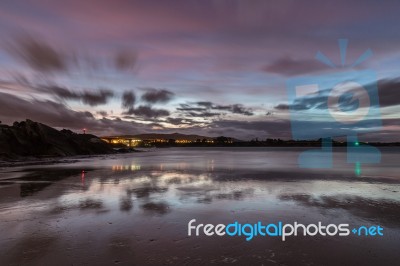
(133, 209)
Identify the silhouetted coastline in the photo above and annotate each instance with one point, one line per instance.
(29, 139)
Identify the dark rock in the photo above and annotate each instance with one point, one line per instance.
(28, 138)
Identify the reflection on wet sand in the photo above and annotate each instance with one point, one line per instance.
(137, 214)
(379, 210)
(207, 194)
(83, 205)
(144, 192)
(157, 208)
(39, 180)
(126, 203)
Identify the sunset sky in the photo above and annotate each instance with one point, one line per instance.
(196, 66)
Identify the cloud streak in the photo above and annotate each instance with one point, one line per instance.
(37, 54)
(388, 94)
(157, 96)
(288, 66)
(55, 114)
(147, 112)
(91, 98)
(207, 109)
(128, 99)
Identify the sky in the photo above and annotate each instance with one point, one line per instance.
(198, 66)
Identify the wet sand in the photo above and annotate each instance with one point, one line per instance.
(133, 209)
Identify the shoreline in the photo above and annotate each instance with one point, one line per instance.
(46, 161)
(51, 160)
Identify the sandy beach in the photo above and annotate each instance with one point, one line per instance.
(134, 209)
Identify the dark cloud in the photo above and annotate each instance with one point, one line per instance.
(203, 114)
(102, 113)
(37, 54)
(88, 114)
(92, 98)
(221, 107)
(181, 121)
(90, 63)
(63, 93)
(44, 57)
(205, 104)
(392, 122)
(189, 108)
(389, 92)
(128, 99)
(54, 114)
(125, 60)
(282, 106)
(175, 121)
(233, 108)
(199, 109)
(317, 101)
(157, 96)
(290, 67)
(240, 109)
(147, 111)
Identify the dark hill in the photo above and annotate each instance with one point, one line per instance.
(28, 138)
